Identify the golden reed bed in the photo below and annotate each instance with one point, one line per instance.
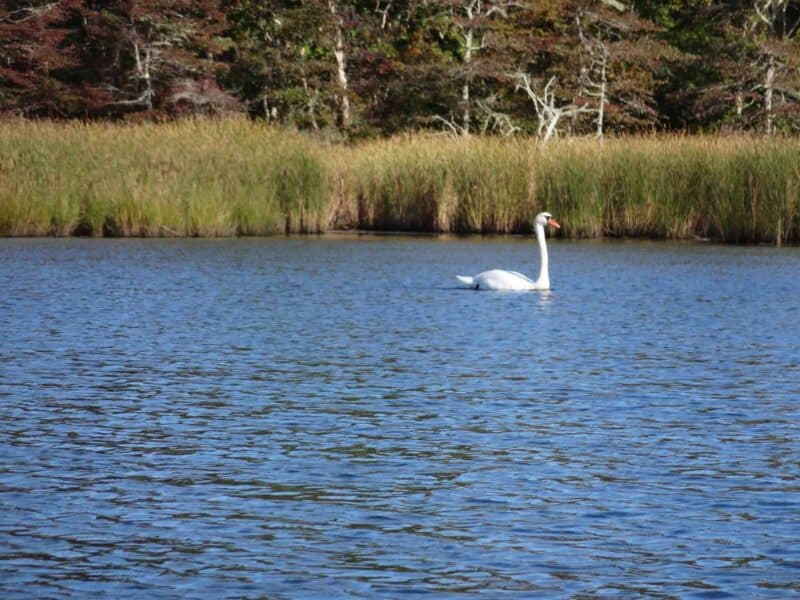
(226, 178)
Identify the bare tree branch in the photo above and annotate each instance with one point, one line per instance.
(544, 103)
(495, 121)
(455, 130)
(28, 12)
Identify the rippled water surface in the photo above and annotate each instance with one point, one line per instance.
(334, 417)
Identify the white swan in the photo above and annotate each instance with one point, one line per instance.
(497, 279)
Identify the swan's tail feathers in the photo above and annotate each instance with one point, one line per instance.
(466, 280)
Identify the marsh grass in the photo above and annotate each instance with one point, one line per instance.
(435, 184)
(224, 178)
(183, 179)
(731, 189)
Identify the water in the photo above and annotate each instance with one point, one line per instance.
(335, 418)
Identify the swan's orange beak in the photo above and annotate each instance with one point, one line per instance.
(553, 223)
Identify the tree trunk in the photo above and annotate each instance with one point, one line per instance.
(338, 52)
(143, 72)
(551, 127)
(312, 103)
(769, 89)
(601, 109)
(468, 37)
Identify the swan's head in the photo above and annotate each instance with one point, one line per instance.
(545, 218)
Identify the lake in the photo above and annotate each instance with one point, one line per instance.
(334, 417)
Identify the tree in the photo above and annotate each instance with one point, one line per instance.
(771, 27)
(166, 56)
(750, 84)
(621, 53)
(293, 57)
(592, 64)
(341, 63)
(548, 112)
(79, 58)
(474, 34)
(34, 53)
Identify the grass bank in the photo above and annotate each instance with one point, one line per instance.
(239, 178)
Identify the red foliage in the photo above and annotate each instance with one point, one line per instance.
(87, 58)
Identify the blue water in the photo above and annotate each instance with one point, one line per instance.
(334, 417)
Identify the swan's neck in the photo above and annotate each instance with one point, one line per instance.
(543, 282)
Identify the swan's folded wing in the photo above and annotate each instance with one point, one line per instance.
(521, 276)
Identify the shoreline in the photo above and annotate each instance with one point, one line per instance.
(345, 234)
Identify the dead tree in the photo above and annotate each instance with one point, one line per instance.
(594, 75)
(471, 18)
(770, 26)
(548, 113)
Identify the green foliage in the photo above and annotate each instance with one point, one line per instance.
(673, 64)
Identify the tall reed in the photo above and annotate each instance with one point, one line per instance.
(435, 184)
(211, 178)
(731, 189)
(219, 178)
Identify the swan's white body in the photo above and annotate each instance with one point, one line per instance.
(498, 279)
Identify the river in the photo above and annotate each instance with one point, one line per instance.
(333, 417)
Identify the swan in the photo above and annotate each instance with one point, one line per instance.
(497, 279)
